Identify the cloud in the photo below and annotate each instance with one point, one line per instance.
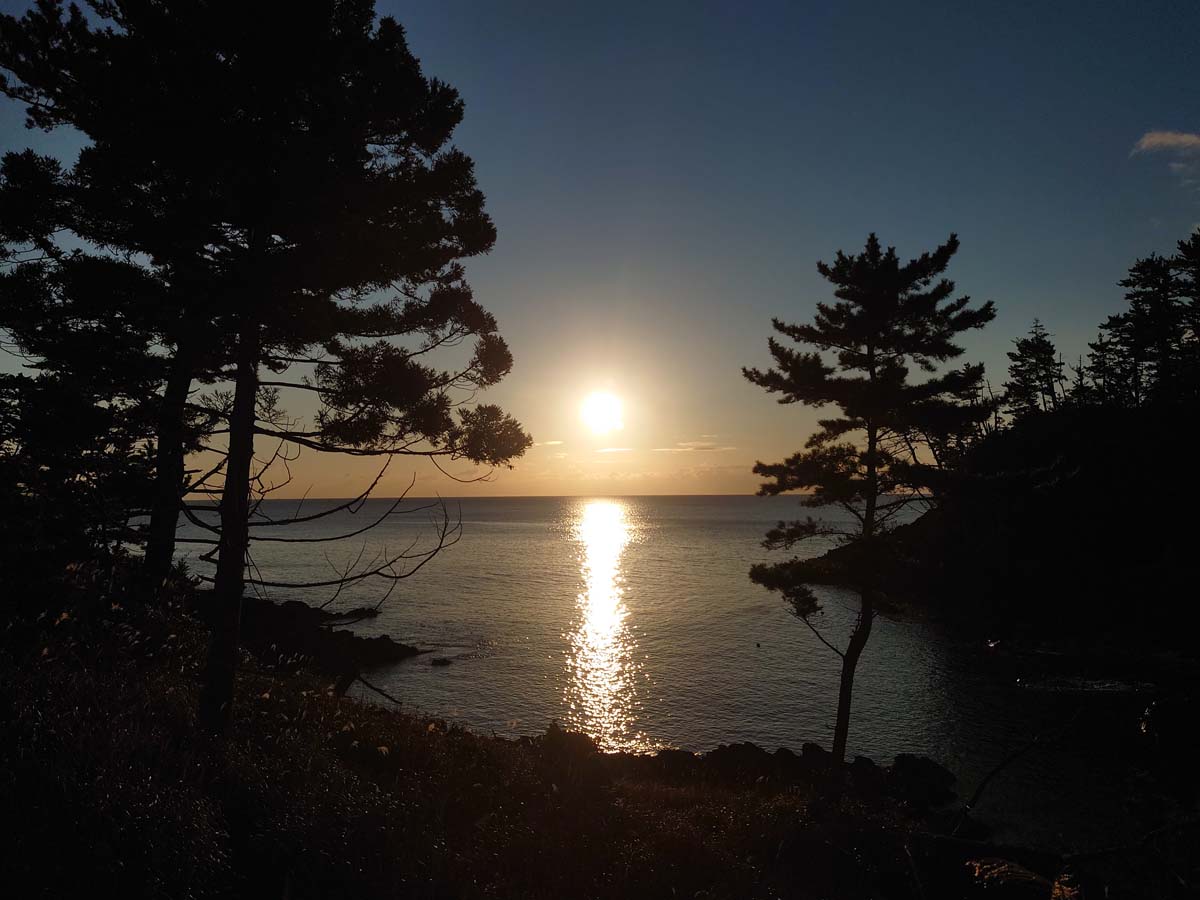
(1184, 146)
(615, 450)
(692, 446)
(548, 444)
(1171, 141)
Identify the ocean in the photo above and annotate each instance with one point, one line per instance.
(632, 619)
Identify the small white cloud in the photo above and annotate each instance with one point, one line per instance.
(615, 450)
(1173, 141)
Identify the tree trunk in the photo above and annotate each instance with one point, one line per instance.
(168, 476)
(858, 640)
(866, 613)
(216, 696)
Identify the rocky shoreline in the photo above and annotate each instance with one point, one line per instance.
(316, 794)
(293, 635)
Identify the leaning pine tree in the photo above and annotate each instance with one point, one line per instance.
(869, 461)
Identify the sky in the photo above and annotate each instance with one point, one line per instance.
(665, 176)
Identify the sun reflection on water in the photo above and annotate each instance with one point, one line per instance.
(601, 692)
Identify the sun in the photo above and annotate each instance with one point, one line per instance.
(601, 413)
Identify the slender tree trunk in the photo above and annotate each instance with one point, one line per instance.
(866, 613)
(216, 697)
(858, 640)
(168, 476)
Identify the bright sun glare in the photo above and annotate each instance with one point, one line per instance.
(601, 413)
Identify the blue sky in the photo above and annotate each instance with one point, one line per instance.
(665, 175)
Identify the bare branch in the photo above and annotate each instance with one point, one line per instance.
(821, 637)
(354, 504)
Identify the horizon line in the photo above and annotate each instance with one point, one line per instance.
(524, 496)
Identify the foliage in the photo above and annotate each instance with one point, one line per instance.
(889, 317)
(1149, 354)
(73, 470)
(1052, 521)
(1035, 373)
(287, 176)
(76, 439)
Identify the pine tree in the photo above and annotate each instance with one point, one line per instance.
(1146, 354)
(319, 219)
(1036, 382)
(78, 436)
(888, 317)
(1186, 266)
(122, 198)
(1150, 332)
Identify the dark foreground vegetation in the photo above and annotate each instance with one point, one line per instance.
(107, 785)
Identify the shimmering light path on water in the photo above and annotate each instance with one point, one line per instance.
(601, 691)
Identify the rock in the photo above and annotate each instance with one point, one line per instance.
(574, 758)
(558, 741)
(789, 766)
(440, 661)
(359, 612)
(291, 634)
(816, 758)
(738, 762)
(676, 765)
(920, 782)
(868, 777)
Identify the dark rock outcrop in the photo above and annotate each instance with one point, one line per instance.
(920, 782)
(293, 634)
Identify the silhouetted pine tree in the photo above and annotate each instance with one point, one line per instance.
(1150, 332)
(888, 317)
(1186, 266)
(1036, 382)
(1103, 379)
(333, 212)
(78, 438)
(74, 467)
(123, 197)
(1147, 353)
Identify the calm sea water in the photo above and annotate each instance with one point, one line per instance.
(632, 619)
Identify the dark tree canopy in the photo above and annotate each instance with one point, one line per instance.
(77, 439)
(285, 173)
(889, 318)
(292, 165)
(1149, 353)
(1035, 374)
